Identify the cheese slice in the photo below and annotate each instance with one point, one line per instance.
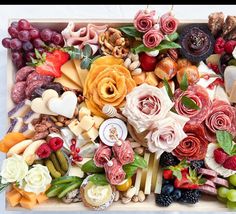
(155, 170)
(65, 81)
(148, 180)
(138, 180)
(158, 184)
(82, 73)
(76, 171)
(144, 172)
(69, 70)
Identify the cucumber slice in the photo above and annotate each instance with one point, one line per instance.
(65, 179)
(54, 190)
(68, 187)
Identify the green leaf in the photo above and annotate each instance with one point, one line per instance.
(130, 170)
(233, 151)
(202, 181)
(99, 179)
(37, 54)
(85, 63)
(3, 186)
(189, 103)
(173, 110)
(130, 31)
(87, 50)
(162, 46)
(177, 174)
(94, 58)
(174, 36)
(184, 82)
(224, 139)
(90, 167)
(168, 89)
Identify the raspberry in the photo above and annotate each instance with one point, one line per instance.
(230, 163)
(55, 143)
(43, 151)
(229, 46)
(220, 156)
(219, 45)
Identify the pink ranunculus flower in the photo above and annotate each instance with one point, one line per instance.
(168, 23)
(146, 104)
(144, 20)
(153, 38)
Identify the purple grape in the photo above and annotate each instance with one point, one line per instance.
(14, 24)
(24, 35)
(29, 55)
(13, 32)
(6, 42)
(46, 35)
(23, 24)
(38, 43)
(27, 46)
(17, 59)
(57, 39)
(15, 44)
(34, 33)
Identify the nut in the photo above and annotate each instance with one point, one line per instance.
(141, 196)
(134, 144)
(134, 65)
(127, 62)
(67, 122)
(117, 196)
(54, 119)
(130, 192)
(125, 200)
(134, 57)
(135, 198)
(59, 124)
(139, 150)
(120, 41)
(136, 71)
(108, 45)
(61, 119)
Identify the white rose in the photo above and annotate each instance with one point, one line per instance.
(37, 179)
(146, 104)
(234, 52)
(167, 133)
(14, 169)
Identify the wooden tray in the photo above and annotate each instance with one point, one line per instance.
(207, 203)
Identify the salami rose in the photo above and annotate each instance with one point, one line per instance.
(200, 96)
(222, 116)
(194, 146)
(114, 172)
(102, 155)
(123, 152)
(152, 38)
(144, 20)
(168, 23)
(146, 104)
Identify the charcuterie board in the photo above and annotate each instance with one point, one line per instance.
(107, 155)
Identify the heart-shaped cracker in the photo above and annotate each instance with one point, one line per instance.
(39, 105)
(64, 105)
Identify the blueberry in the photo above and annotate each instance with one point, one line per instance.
(167, 189)
(165, 182)
(176, 194)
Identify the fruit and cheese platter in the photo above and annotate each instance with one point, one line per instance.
(121, 114)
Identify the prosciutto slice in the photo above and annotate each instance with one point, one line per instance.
(102, 155)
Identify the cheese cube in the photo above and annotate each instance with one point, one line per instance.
(98, 121)
(84, 111)
(151, 79)
(87, 122)
(75, 127)
(91, 134)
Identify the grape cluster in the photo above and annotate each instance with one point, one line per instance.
(25, 38)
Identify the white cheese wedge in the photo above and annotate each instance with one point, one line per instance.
(220, 94)
(81, 141)
(97, 121)
(158, 182)
(75, 127)
(82, 73)
(229, 77)
(84, 111)
(87, 122)
(144, 172)
(65, 81)
(75, 171)
(91, 134)
(148, 182)
(67, 136)
(138, 180)
(88, 150)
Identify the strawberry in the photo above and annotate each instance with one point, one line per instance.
(168, 174)
(229, 46)
(147, 63)
(220, 156)
(230, 163)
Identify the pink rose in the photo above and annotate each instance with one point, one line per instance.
(168, 23)
(114, 172)
(124, 152)
(144, 20)
(152, 38)
(102, 155)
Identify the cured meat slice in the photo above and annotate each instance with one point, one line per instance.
(200, 96)
(123, 152)
(18, 92)
(32, 86)
(222, 116)
(102, 155)
(220, 181)
(36, 76)
(194, 146)
(208, 190)
(22, 74)
(207, 172)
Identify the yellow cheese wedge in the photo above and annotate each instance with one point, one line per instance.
(75, 127)
(138, 180)
(67, 82)
(69, 70)
(148, 181)
(82, 73)
(155, 170)
(144, 172)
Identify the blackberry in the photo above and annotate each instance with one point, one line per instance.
(197, 164)
(190, 196)
(163, 200)
(167, 159)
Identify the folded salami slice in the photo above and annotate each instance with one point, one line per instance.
(102, 155)
(207, 172)
(208, 190)
(220, 181)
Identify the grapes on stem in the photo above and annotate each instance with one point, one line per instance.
(46, 35)
(6, 42)
(15, 44)
(13, 32)
(24, 35)
(23, 24)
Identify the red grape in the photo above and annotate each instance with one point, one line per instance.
(14, 24)
(6, 42)
(38, 43)
(15, 44)
(17, 59)
(24, 35)
(46, 35)
(23, 24)
(29, 55)
(13, 32)
(57, 38)
(27, 46)
(34, 33)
